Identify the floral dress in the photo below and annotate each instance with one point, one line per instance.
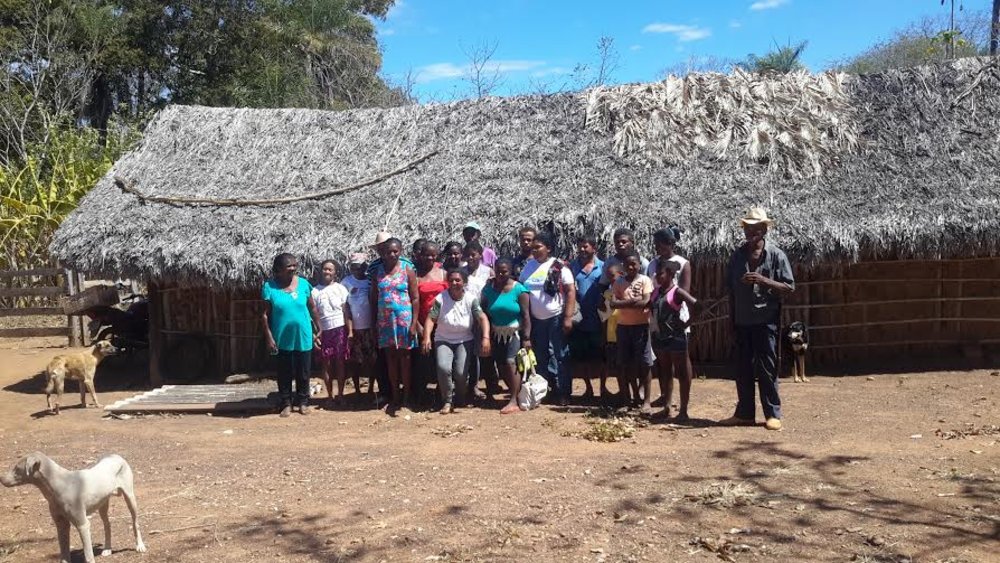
(395, 311)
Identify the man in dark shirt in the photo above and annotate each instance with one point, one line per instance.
(525, 240)
(759, 274)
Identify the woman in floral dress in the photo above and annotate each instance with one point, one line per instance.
(393, 293)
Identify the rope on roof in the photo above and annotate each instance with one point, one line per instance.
(128, 186)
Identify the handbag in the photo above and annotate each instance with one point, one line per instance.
(533, 386)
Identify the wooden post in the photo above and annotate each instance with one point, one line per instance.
(81, 319)
(155, 337)
(231, 368)
(74, 326)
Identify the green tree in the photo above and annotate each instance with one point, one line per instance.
(925, 41)
(781, 60)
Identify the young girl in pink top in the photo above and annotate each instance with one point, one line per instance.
(669, 337)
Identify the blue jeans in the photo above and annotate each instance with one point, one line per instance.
(551, 351)
(757, 358)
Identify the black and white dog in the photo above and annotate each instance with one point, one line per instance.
(797, 342)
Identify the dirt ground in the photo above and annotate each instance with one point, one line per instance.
(887, 468)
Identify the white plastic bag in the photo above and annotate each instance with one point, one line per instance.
(533, 386)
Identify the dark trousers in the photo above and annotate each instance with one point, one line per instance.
(551, 352)
(293, 367)
(757, 358)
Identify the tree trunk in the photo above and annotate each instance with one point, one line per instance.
(995, 29)
(101, 105)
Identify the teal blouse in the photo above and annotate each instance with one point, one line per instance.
(290, 321)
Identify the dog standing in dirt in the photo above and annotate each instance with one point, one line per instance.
(74, 495)
(797, 342)
(80, 366)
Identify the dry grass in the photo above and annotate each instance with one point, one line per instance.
(608, 427)
(727, 494)
(969, 431)
(795, 124)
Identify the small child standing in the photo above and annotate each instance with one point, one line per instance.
(669, 336)
(630, 296)
(336, 325)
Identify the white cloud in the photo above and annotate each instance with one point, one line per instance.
(635, 48)
(550, 71)
(387, 32)
(768, 4)
(735, 24)
(682, 32)
(445, 71)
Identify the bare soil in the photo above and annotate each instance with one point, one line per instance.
(888, 468)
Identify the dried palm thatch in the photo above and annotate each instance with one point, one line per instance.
(923, 182)
(796, 124)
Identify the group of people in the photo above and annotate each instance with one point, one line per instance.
(458, 314)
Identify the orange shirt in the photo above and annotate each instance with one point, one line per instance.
(625, 289)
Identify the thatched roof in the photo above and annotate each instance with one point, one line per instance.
(920, 179)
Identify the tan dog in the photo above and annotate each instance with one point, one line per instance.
(74, 495)
(80, 366)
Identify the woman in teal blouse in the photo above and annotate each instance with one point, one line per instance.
(291, 326)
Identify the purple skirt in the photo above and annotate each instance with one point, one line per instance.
(334, 344)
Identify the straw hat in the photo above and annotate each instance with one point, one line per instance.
(381, 237)
(756, 216)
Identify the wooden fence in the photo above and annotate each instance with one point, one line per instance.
(873, 310)
(36, 293)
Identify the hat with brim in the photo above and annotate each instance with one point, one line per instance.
(756, 216)
(381, 237)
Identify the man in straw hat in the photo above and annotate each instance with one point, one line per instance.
(759, 274)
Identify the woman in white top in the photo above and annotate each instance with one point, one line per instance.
(452, 316)
(665, 242)
(479, 273)
(336, 325)
(363, 345)
(552, 300)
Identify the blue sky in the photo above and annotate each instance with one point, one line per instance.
(540, 42)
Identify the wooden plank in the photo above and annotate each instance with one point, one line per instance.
(897, 280)
(242, 406)
(899, 343)
(32, 312)
(889, 302)
(7, 274)
(907, 321)
(31, 291)
(28, 332)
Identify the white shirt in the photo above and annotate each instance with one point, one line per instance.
(361, 308)
(454, 318)
(533, 276)
(330, 301)
(479, 279)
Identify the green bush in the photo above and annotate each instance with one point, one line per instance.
(39, 191)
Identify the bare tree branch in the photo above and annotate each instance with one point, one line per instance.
(482, 74)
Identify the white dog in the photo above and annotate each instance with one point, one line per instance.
(74, 495)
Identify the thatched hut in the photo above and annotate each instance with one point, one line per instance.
(885, 189)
